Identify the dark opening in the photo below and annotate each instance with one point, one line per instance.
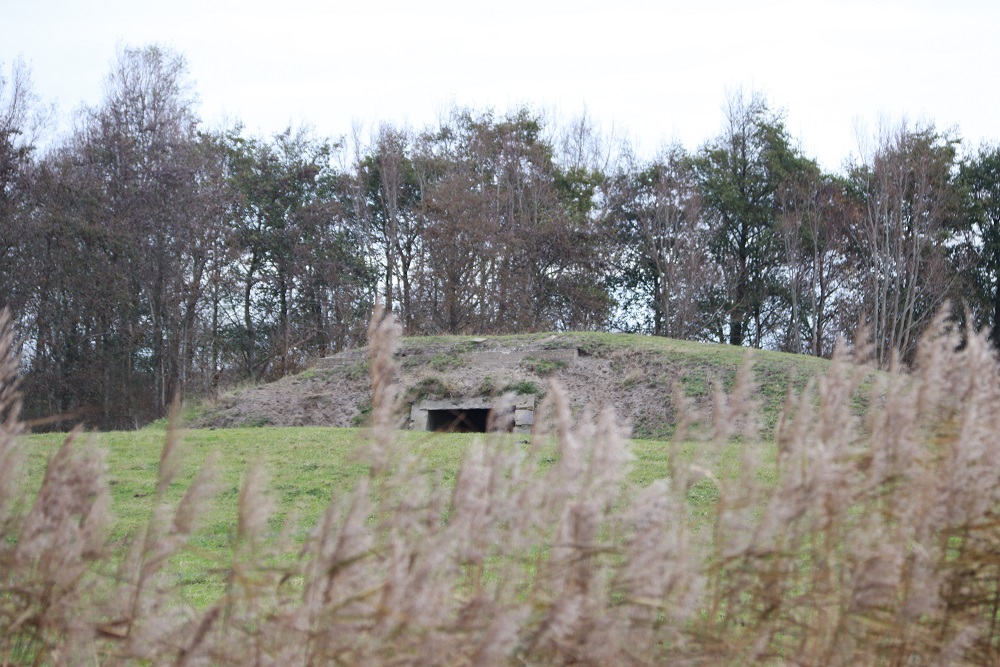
(472, 420)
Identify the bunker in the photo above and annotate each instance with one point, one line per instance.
(473, 415)
(474, 420)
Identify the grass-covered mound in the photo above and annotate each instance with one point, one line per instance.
(640, 377)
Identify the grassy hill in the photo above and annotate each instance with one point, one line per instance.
(635, 375)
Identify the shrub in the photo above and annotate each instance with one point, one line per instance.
(523, 388)
(363, 415)
(866, 540)
(543, 367)
(258, 422)
(443, 361)
(356, 371)
(486, 387)
(427, 387)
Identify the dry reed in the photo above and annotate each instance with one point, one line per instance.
(872, 539)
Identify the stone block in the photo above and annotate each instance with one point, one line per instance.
(418, 418)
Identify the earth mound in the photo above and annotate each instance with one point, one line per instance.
(634, 375)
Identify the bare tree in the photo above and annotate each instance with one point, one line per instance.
(121, 214)
(22, 120)
(673, 242)
(143, 136)
(582, 146)
(815, 213)
(388, 191)
(910, 202)
(511, 244)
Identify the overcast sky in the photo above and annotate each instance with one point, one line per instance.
(657, 71)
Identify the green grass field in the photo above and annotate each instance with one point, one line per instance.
(309, 466)
(306, 466)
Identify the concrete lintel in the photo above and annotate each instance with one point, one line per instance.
(472, 403)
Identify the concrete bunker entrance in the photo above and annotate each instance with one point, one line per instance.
(471, 420)
(473, 415)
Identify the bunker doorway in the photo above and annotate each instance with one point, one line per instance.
(458, 420)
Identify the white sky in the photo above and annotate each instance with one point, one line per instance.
(657, 71)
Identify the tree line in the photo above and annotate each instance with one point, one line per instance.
(144, 255)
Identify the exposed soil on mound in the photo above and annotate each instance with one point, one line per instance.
(627, 373)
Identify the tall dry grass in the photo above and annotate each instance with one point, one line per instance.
(872, 539)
